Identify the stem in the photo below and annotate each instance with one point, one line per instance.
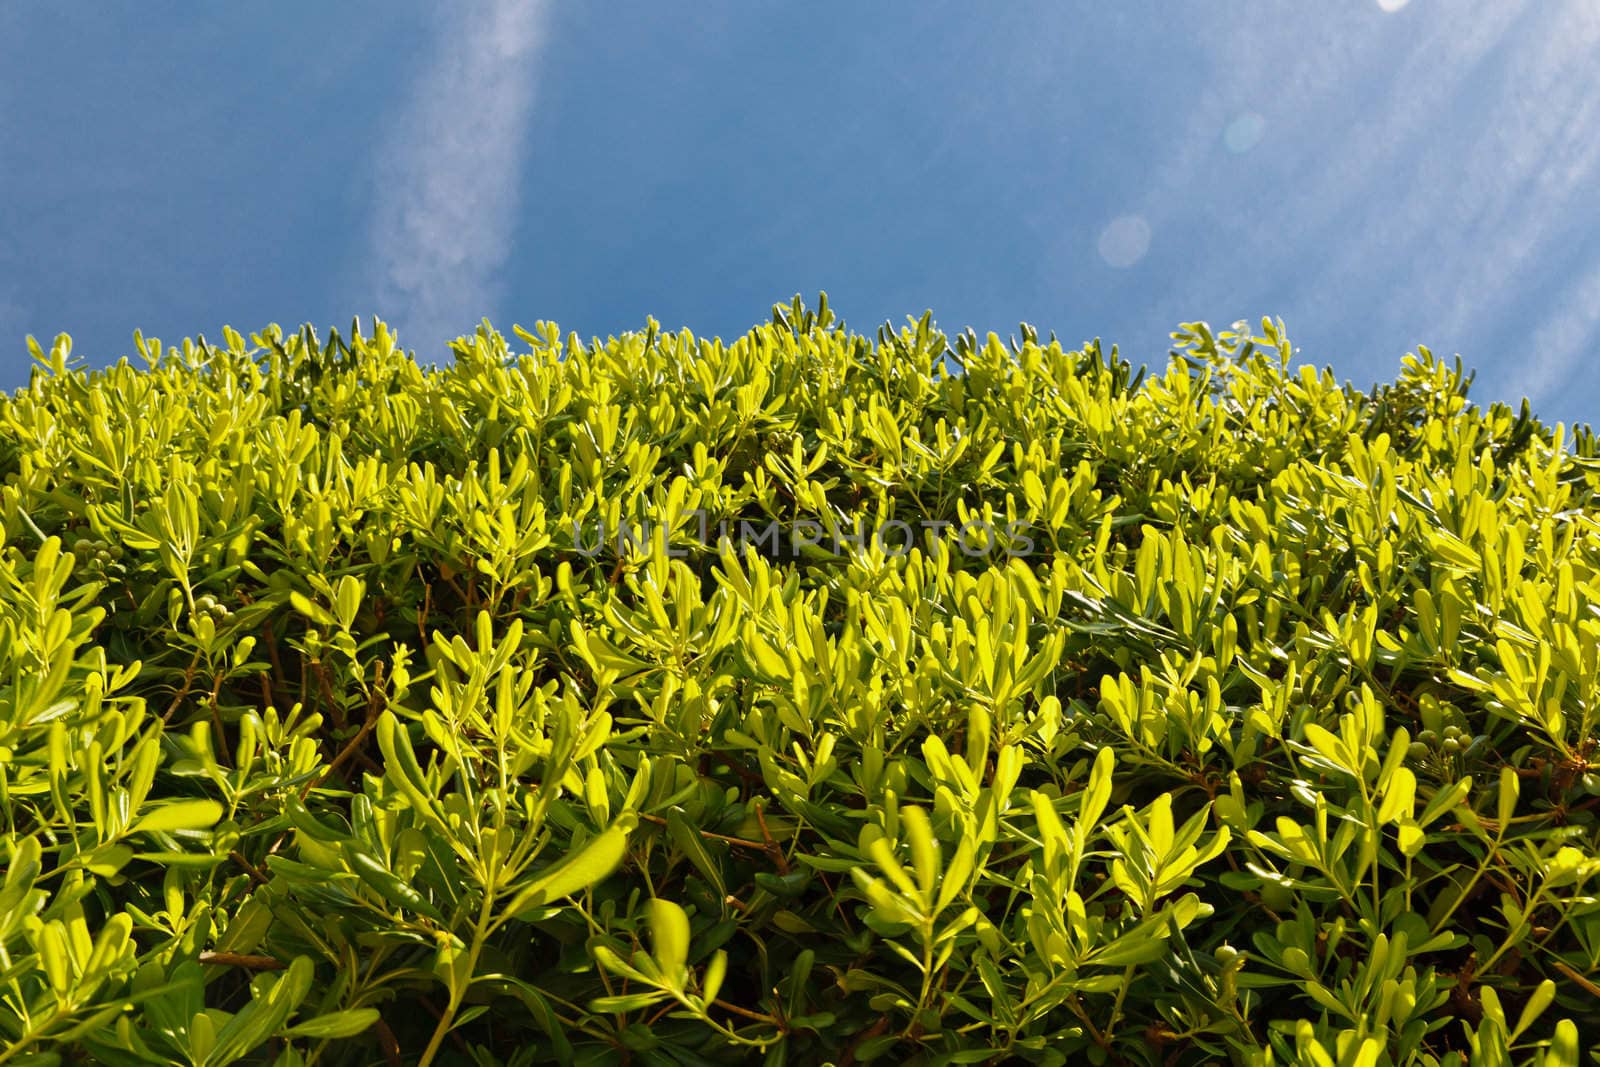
(1516, 932)
(927, 973)
(1077, 1009)
(1377, 830)
(216, 720)
(32, 1035)
(1116, 1009)
(739, 842)
(479, 935)
(746, 1012)
(1462, 896)
(242, 960)
(183, 690)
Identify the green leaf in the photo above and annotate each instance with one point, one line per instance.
(51, 945)
(310, 608)
(1411, 838)
(1563, 1051)
(954, 879)
(1506, 802)
(688, 840)
(107, 860)
(625, 1002)
(386, 883)
(402, 769)
(669, 935)
(1329, 747)
(1399, 799)
(335, 1024)
(924, 849)
(584, 869)
(180, 815)
(347, 599)
(1134, 947)
(1543, 995)
(275, 999)
(452, 964)
(716, 971)
(1097, 794)
(1444, 801)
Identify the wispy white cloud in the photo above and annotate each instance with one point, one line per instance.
(1547, 363)
(446, 205)
(1419, 175)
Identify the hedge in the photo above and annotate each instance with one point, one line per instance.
(810, 698)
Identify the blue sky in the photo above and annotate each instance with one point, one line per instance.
(1378, 174)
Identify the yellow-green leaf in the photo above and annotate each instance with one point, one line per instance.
(179, 815)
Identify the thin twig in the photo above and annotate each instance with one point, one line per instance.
(710, 836)
(388, 1043)
(746, 1012)
(772, 846)
(249, 868)
(216, 721)
(235, 959)
(1576, 977)
(183, 691)
(352, 747)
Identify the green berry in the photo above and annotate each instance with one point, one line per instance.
(1277, 897)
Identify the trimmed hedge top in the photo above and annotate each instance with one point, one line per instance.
(814, 698)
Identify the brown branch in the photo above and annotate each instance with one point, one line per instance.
(249, 868)
(183, 691)
(710, 836)
(1576, 977)
(773, 847)
(346, 752)
(249, 963)
(746, 1012)
(388, 1043)
(216, 720)
(877, 1029)
(326, 689)
(269, 639)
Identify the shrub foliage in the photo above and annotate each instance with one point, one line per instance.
(337, 727)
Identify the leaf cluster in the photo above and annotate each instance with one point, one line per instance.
(330, 733)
